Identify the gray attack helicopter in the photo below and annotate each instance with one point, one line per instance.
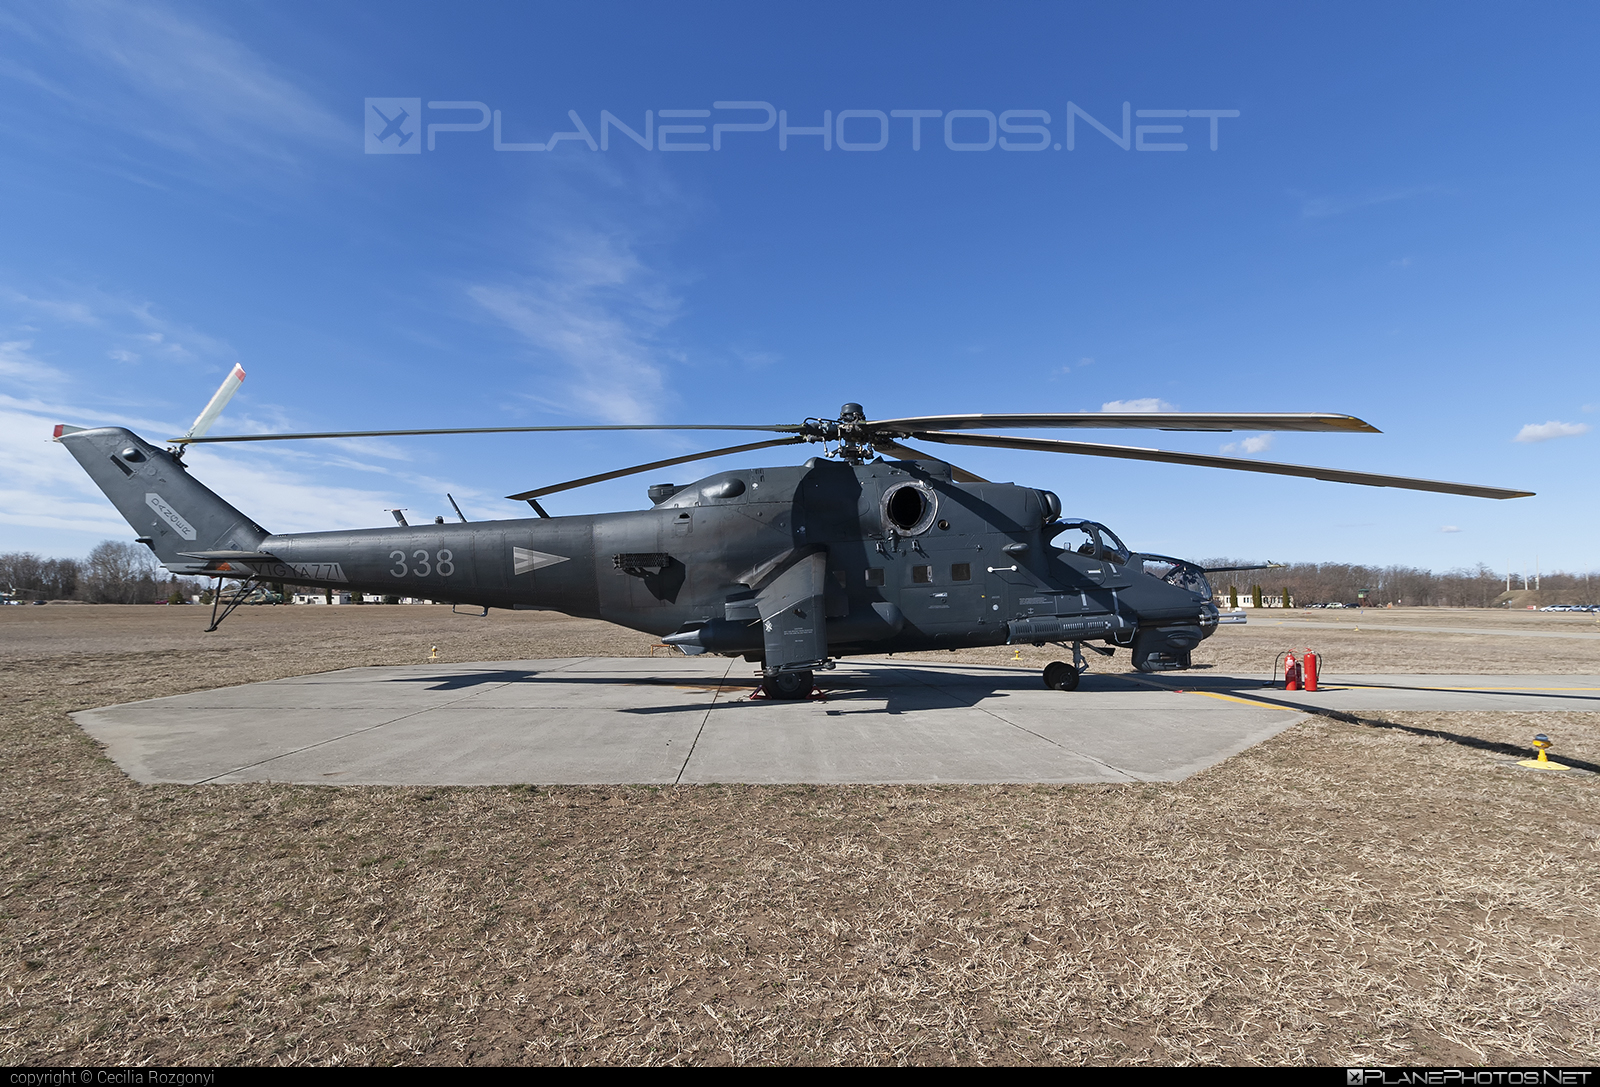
(849, 553)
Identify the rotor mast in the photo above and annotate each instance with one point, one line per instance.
(849, 434)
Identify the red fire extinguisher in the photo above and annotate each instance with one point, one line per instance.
(1291, 673)
(1308, 668)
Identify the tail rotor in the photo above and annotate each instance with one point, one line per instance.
(219, 400)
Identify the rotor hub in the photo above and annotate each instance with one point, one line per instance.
(848, 437)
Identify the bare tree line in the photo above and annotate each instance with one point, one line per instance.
(115, 572)
(1403, 586)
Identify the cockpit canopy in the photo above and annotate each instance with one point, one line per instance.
(1185, 575)
(1090, 538)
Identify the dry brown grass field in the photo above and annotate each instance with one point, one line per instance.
(1379, 891)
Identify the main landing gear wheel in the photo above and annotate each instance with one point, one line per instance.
(1060, 676)
(787, 685)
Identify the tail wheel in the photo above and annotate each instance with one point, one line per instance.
(787, 684)
(1060, 676)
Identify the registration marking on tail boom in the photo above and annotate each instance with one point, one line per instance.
(171, 516)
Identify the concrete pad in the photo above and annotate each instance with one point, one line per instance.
(494, 746)
(879, 726)
(689, 719)
(153, 741)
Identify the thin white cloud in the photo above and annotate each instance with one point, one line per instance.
(1543, 432)
(17, 364)
(1320, 207)
(1260, 443)
(24, 74)
(755, 358)
(1449, 528)
(594, 317)
(182, 82)
(130, 330)
(1149, 403)
(73, 311)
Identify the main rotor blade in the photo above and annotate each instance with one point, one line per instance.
(603, 476)
(905, 452)
(1331, 475)
(782, 428)
(1139, 420)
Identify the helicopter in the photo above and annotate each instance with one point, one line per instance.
(874, 547)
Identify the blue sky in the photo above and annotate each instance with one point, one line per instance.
(1398, 224)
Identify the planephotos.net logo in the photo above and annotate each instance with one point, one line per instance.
(1468, 1077)
(401, 126)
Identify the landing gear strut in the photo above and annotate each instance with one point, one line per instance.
(232, 602)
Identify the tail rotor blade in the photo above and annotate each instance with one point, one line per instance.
(224, 393)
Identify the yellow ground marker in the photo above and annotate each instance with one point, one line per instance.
(1541, 743)
(433, 654)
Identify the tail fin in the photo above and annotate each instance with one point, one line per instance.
(173, 513)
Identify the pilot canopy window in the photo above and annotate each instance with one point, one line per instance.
(875, 575)
(922, 574)
(961, 571)
(1077, 539)
(1096, 542)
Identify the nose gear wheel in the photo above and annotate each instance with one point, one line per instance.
(1060, 676)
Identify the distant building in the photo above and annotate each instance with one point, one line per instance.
(345, 596)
